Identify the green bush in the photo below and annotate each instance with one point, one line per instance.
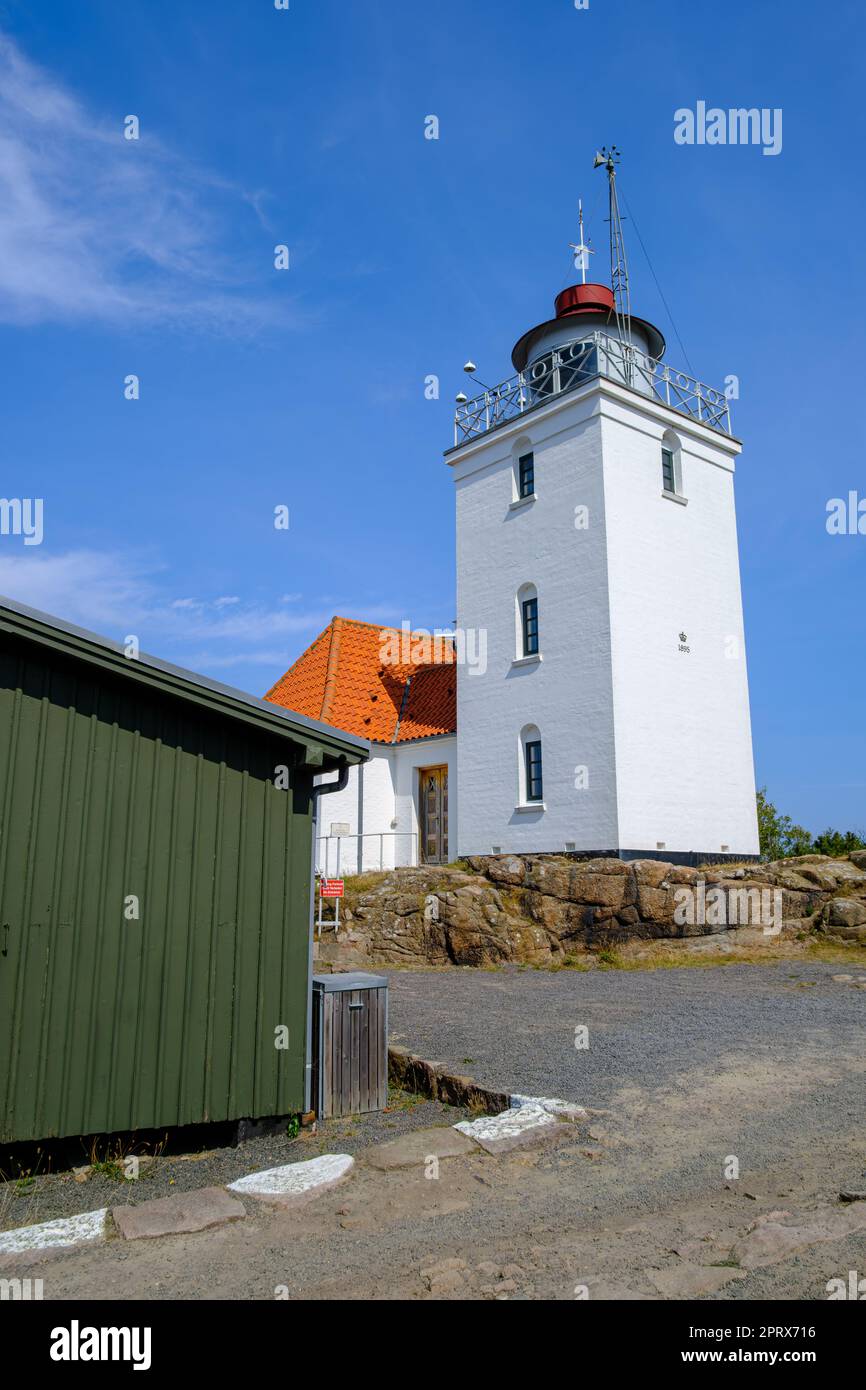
(780, 838)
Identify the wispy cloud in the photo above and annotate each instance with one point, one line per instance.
(119, 594)
(111, 593)
(97, 227)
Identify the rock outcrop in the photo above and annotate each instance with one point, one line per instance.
(540, 909)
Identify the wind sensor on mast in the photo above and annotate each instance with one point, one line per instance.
(608, 159)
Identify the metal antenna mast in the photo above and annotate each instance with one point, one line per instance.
(609, 158)
(582, 250)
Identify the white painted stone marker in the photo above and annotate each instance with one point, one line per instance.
(294, 1183)
(55, 1235)
(522, 1125)
(566, 1109)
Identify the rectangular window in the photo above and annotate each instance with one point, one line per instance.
(533, 772)
(526, 477)
(669, 480)
(530, 627)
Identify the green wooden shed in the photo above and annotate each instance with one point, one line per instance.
(156, 833)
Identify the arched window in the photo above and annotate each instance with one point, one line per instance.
(531, 783)
(527, 621)
(672, 478)
(526, 476)
(522, 471)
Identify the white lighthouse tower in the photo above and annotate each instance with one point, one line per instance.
(597, 548)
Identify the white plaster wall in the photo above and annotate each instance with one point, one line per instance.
(409, 758)
(390, 807)
(685, 775)
(665, 737)
(377, 779)
(568, 693)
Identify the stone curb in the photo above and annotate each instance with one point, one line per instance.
(65, 1233)
(183, 1213)
(414, 1149)
(294, 1184)
(514, 1128)
(414, 1074)
(405, 1069)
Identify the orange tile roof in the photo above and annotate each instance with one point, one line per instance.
(380, 683)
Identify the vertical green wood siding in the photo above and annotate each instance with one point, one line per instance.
(108, 790)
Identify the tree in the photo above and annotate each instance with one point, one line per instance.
(768, 827)
(838, 844)
(779, 837)
(797, 839)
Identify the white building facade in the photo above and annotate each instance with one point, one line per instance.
(622, 724)
(377, 821)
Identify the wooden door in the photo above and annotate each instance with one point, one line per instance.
(433, 817)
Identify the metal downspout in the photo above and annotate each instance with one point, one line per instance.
(324, 789)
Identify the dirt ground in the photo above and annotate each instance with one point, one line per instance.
(694, 1069)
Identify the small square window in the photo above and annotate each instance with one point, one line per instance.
(533, 771)
(530, 627)
(526, 475)
(669, 475)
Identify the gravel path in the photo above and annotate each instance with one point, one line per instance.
(516, 1027)
(694, 1067)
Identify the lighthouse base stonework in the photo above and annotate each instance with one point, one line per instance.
(553, 911)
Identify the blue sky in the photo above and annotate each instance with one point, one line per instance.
(306, 387)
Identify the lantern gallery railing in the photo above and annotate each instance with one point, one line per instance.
(571, 365)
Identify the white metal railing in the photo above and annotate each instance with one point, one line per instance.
(571, 365)
(333, 864)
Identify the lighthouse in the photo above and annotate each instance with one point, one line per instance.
(597, 550)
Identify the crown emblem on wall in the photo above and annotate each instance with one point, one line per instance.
(683, 637)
